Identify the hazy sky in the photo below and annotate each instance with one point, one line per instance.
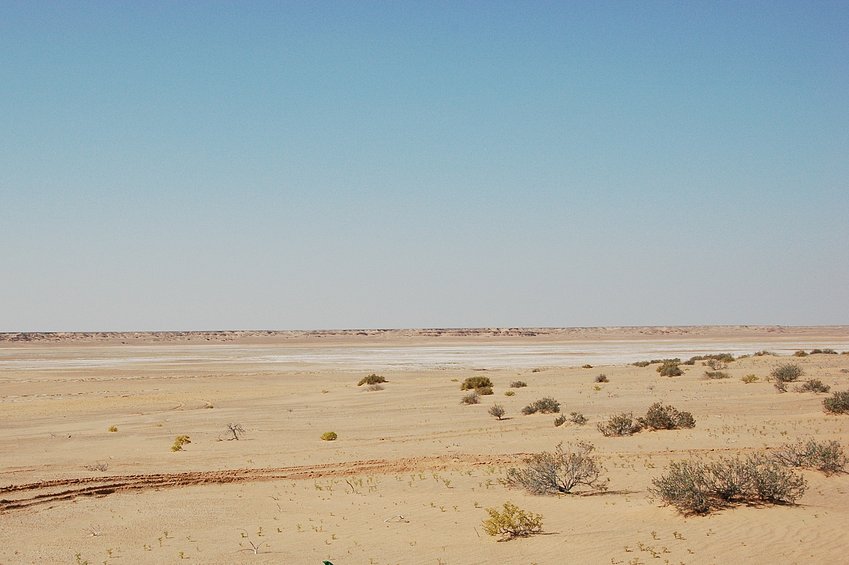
(204, 165)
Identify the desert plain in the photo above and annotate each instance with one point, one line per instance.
(88, 475)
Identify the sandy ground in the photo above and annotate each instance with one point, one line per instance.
(412, 469)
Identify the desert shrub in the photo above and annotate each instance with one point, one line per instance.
(800, 353)
(670, 368)
(518, 384)
(471, 398)
(509, 393)
(787, 373)
(602, 378)
(780, 386)
(371, 379)
(641, 364)
(823, 352)
(577, 418)
(814, 385)
(826, 456)
(472, 383)
(716, 364)
(484, 390)
(660, 417)
(234, 430)
(545, 405)
(329, 436)
(695, 487)
(714, 375)
(560, 471)
(587, 366)
(763, 353)
(749, 379)
(497, 410)
(511, 522)
(837, 403)
(560, 420)
(623, 424)
(179, 442)
(113, 428)
(720, 357)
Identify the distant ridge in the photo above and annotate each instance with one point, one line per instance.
(566, 333)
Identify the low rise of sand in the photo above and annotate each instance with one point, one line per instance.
(412, 470)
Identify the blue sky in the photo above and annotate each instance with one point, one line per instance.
(175, 165)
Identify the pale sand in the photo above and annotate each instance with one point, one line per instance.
(411, 450)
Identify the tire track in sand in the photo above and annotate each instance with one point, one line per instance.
(27, 495)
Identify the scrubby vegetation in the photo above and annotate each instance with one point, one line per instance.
(484, 390)
(577, 418)
(837, 403)
(560, 471)
(660, 417)
(826, 456)
(749, 379)
(371, 379)
(642, 363)
(509, 393)
(471, 398)
(497, 411)
(473, 383)
(511, 522)
(787, 373)
(623, 424)
(602, 378)
(823, 352)
(670, 368)
(697, 487)
(560, 420)
(329, 436)
(714, 375)
(800, 353)
(179, 442)
(113, 428)
(545, 405)
(518, 384)
(814, 385)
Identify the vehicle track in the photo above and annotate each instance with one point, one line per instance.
(22, 496)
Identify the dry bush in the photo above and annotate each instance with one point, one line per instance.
(623, 424)
(823, 352)
(814, 385)
(235, 430)
(560, 471)
(484, 390)
(602, 378)
(826, 456)
(763, 353)
(518, 384)
(787, 373)
(512, 522)
(714, 375)
(577, 418)
(472, 383)
(497, 410)
(471, 398)
(660, 417)
(696, 487)
(509, 393)
(641, 364)
(559, 421)
(545, 405)
(670, 368)
(371, 379)
(800, 353)
(748, 379)
(837, 403)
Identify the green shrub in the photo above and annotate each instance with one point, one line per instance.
(714, 375)
(696, 487)
(623, 424)
(179, 442)
(814, 385)
(518, 384)
(602, 378)
(837, 403)
(560, 471)
(511, 522)
(670, 368)
(749, 379)
(545, 405)
(472, 383)
(471, 398)
(371, 379)
(826, 456)
(660, 417)
(509, 393)
(329, 436)
(787, 373)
